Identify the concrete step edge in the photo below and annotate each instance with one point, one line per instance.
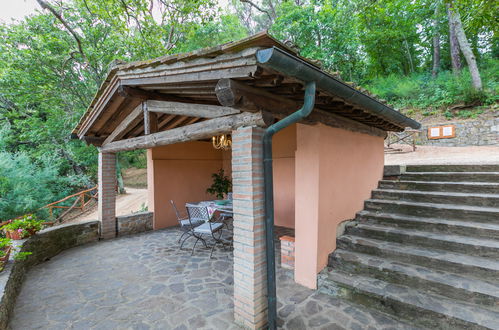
(428, 220)
(465, 240)
(436, 193)
(466, 283)
(437, 255)
(399, 294)
(437, 205)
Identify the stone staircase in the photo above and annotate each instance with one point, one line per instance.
(425, 249)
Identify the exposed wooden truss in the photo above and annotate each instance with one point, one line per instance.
(196, 131)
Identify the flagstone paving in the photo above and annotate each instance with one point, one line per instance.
(146, 282)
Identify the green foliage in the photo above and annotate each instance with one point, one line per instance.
(25, 226)
(421, 91)
(4, 244)
(221, 186)
(26, 185)
(327, 33)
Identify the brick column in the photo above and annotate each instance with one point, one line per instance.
(107, 194)
(250, 299)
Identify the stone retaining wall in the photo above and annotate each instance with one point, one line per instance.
(44, 245)
(479, 132)
(134, 223)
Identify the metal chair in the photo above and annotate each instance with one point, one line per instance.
(186, 225)
(211, 228)
(226, 215)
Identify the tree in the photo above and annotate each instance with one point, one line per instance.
(436, 41)
(457, 26)
(453, 44)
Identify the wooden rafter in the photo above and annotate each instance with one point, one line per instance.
(121, 129)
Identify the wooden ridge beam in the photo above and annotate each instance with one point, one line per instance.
(234, 94)
(197, 131)
(189, 109)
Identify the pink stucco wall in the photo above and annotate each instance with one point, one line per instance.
(179, 172)
(283, 154)
(335, 172)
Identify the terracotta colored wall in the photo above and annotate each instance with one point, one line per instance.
(336, 171)
(283, 153)
(181, 172)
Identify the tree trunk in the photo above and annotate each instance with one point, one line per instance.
(436, 43)
(465, 47)
(409, 56)
(453, 45)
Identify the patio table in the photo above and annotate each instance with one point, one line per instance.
(213, 206)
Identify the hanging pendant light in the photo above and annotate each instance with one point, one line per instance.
(223, 142)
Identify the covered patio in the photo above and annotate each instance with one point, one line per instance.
(145, 282)
(325, 165)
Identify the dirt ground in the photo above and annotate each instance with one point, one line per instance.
(443, 155)
(135, 177)
(133, 201)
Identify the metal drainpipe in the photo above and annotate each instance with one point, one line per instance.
(308, 106)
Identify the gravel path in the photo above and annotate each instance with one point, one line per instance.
(444, 155)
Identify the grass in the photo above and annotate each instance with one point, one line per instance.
(422, 94)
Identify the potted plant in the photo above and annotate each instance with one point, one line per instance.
(5, 249)
(221, 186)
(23, 227)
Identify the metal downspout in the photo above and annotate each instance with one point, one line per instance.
(305, 110)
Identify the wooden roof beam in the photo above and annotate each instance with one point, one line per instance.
(197, 131)
(189, 109)
(234, 94)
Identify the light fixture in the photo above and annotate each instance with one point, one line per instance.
(223, 141)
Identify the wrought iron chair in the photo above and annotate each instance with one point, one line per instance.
(186, 225)
(225, 216)
(208, 228)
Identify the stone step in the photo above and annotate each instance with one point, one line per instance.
(452, 168)
(434, 225)
(451, 176)
(463, 187)
(428, 280)
(435, 210)
(464, 244)
(479, 247)
(486, 269)
(422, 309)
(457, 198)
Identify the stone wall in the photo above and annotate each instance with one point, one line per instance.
(44, 245)
(134, 223)
(479, 132)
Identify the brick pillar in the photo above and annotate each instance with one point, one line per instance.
(250, 293)
(107, 194)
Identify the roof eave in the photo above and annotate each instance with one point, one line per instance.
(288, 64)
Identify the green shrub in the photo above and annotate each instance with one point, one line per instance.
(422, 91)
(26, 186)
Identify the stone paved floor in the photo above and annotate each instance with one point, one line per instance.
(146, 282)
